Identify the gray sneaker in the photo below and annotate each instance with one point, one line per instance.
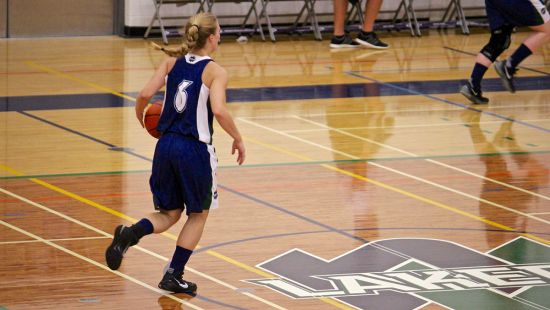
(474, 95)
(506, 75)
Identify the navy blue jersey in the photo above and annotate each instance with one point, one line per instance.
(186, 109)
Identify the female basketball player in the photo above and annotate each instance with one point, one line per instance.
(503, 16)
(184, 165)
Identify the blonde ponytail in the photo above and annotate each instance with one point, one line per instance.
(196, 32)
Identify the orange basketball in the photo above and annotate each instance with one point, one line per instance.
(151, 119)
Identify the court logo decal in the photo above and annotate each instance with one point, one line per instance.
(410, 273)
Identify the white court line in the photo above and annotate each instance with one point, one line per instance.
(390, 111)
(187, 268)
(407, 126)
(53, 240)
(93, 262)
(428, 160)
(396, 171)
(541, 213)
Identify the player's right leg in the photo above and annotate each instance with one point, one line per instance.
(124, 237)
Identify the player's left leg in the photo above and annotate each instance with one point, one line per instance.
(187, 241)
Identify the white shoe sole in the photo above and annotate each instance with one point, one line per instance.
(367, 44)
(343, 46)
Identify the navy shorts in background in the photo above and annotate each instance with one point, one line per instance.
(184, 174)
(516, 13)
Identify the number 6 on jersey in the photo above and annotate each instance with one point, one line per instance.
(181, 96)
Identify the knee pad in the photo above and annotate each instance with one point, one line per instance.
(499, 42)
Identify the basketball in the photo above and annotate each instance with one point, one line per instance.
(151, 119)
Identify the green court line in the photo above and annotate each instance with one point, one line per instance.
(301, 163)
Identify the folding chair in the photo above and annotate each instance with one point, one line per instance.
(454, 9)
(409, 12)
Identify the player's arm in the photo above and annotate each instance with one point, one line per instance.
(219, 109)
(152, 87)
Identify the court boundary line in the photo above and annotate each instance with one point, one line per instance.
(93, 262)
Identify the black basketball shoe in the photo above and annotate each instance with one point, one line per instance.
(123, 239)
(473, 94)
(370, 39)
(176, 284)
(506, 75)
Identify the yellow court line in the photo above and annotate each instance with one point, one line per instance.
(75, 79)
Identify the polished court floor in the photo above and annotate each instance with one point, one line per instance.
(370, 182)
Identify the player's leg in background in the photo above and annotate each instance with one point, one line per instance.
(536, 16)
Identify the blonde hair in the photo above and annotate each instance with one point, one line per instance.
(196, 32)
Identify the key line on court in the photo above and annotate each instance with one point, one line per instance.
(144, 250)
(93, 262)
(467, 107)
(406, 193)
(415, 155)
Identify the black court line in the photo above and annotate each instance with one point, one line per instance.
(468, 107)
(78, 133)
(274, 236)
(472, 54)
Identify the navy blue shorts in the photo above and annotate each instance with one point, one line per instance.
(516, 13)
(184, 174)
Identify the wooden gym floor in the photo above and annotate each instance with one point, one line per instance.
(370, 182)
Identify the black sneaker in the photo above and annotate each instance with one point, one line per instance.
(370, 39)
(176, 284)
(123, 239)
(506, 75)
(474, 95)
(343, 42)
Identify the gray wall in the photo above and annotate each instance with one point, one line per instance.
(3, 18)
(34, 18)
